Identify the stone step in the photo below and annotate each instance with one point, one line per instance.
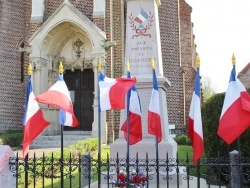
(54, 141)
(77, 133)
(65, 137)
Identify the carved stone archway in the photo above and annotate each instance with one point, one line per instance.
(67, 35)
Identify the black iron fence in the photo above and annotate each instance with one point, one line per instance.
(84, 171)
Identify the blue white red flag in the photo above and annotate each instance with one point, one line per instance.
(135, 117)
(113, 91)
(58, 96)
(142, 17)
(235, 115)
(67, 119)
(194, 121)
(154, 119)
(33, 120)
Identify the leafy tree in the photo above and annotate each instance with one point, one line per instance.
(207, 89)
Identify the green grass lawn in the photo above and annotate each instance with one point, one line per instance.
(185, 151)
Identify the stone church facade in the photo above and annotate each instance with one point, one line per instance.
(79, 33)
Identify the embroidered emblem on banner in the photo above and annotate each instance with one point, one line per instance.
(141, 23)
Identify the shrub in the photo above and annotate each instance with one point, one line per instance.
(213, 144)
(80, 147)
(181, 140)
(12, 138)
(91, 144)
(189, 142)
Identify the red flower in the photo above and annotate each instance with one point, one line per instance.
(121, 177)
(136, 179)
(143, 179)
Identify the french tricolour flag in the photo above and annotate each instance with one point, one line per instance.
(194, 121)
(154, 120)
(58, 96)
(235, 115)
(112, 92)
(135, 117)
(67, 119)
(33, 120)
(142, 17)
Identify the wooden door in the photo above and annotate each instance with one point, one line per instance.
(81, 85)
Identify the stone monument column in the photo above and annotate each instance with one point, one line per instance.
(142, 43)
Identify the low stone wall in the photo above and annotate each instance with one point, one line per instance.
(7, 178)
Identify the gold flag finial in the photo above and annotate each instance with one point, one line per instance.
(233, 59)
(128, 66)
(153, 62)
(29, 69)
(197, 61)
(60, 68)
(99, 66)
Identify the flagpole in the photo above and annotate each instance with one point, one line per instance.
(156, 137)
(128, 122)
(99, 144)
(61, 155)
(128, 153)
(128, 127)
(99, 129)
(60, 70)
(157, 161)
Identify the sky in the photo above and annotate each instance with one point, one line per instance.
(221, 29)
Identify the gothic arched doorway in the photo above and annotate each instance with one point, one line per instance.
(81, 86)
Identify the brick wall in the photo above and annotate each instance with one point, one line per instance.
(186, 45)
(100, 22)
(169, 27)
(84, 6)
(50, 6)
(108, 30)
(118, 30)
(114, 32)
(12, 35)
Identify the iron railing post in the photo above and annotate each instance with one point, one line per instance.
(26, 166)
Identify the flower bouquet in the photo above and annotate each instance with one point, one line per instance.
(134, 181)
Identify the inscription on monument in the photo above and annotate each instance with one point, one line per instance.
(142, 38)
(142, 59)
